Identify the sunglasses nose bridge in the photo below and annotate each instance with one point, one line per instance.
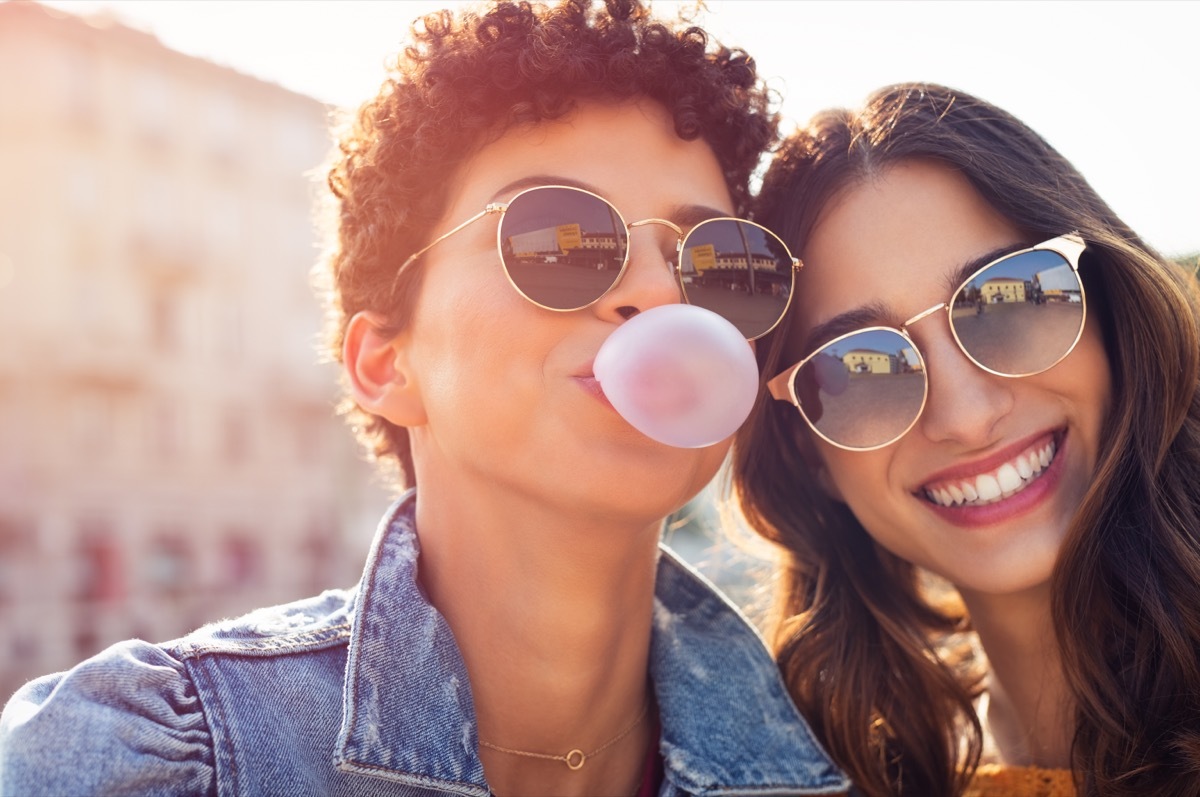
(672, 265)
(650, 276)
(669, 224)
(923, 314)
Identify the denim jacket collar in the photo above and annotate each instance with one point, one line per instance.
(728, 726)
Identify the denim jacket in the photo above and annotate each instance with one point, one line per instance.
(364, 692)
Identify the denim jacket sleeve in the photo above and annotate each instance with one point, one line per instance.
(127, 722)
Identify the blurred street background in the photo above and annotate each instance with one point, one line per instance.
(168, 449)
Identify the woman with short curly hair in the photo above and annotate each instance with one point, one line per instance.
(526, 181)
(462, 83)
(988, 381)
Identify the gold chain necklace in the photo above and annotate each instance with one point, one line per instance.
(575, 759)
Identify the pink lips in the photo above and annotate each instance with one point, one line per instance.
(591, 385)
(1006, 508)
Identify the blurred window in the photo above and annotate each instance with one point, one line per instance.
(86, 637)
(242, 564)
(168, 564)
(309, 433)
(320, 549)
(167, 429)
(229, 332)
(18, 551)
(95, 421)
(235, 435)
(166, 321)
(157, 212)
(99, 576)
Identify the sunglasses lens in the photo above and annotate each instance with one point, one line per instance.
(740, 271)
(1020, 315)
(562, 247)
(863, 390)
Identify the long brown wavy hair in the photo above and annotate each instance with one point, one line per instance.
(466, 78)
(877, 663)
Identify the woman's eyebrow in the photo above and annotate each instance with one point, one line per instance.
(867, 315)
(960, 275)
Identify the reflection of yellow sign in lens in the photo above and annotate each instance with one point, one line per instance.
(569, 237)
(703, 257)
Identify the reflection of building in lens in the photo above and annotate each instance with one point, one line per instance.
(566, 244)
(1059, 284)
(869, 361)
(1003, 289)
(548, 240)
(756, 272)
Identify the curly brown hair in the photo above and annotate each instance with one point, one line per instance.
(874, 663)
(464, 80)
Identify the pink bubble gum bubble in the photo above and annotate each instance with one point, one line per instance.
(679, 374)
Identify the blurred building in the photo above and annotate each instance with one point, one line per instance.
(168, 451)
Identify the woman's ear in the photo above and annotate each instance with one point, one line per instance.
(377, 366)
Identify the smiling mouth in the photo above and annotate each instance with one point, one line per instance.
(1007, 480)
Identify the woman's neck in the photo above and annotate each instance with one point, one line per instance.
(1029, 714)
(552, 613)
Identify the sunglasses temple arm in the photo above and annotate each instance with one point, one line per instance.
(1074, 244)
(492, 208)
(778, 387)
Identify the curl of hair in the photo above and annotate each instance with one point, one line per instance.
(462, 82)
(878, 667)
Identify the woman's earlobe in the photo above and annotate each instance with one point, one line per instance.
(378, 371)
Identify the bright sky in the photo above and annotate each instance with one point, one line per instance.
(1113, 84)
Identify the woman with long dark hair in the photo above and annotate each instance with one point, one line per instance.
(981, 455)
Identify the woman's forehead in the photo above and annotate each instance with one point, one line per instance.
(887, 245)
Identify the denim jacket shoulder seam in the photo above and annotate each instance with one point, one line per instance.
(263, 646)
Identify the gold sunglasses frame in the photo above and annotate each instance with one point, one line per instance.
(502, 207)
(1071, 246)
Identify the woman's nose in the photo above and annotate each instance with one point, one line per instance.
(649, 280)
(964, 402)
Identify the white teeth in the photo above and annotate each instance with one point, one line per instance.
(1008, 479)
(1023, 467)
(987, 487)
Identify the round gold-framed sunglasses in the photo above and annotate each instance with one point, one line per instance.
(1019, 315)
(563, 248)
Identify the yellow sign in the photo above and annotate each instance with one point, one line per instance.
(569, 237)
(703, 257)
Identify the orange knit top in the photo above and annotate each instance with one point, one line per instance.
(998, 780)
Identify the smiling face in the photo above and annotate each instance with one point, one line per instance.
(1019, 452)
(506, 388)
